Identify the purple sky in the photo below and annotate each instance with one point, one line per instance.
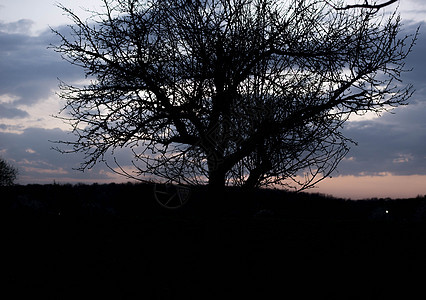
(389, 161)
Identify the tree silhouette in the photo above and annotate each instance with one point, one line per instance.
(7, 173)
(229, 92)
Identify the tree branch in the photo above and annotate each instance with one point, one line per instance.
(365, 5)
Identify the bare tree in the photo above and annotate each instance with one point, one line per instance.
(229, 92)
(8, 173)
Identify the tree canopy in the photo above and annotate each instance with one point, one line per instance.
(229, 92)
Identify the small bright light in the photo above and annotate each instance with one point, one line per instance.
(386, 211)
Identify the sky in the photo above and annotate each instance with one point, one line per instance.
(388, 161)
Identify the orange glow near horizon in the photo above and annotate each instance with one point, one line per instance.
(364, 187)
(347, 187)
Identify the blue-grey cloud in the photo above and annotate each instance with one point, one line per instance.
(394, 143)
(416, 62)
(31, 152)
(28, 69)
(21, 26)
(7, 112)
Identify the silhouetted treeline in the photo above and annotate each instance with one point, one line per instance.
(137, 200)
(114, 241)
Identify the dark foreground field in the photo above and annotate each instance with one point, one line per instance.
(114, 242)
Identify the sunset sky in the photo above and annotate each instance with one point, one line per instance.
(389, 160)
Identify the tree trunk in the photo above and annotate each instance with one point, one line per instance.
(216, 192)
(253, 179)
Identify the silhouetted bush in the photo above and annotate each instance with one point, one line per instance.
(8, 173)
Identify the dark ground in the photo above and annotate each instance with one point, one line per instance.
(305, 249)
